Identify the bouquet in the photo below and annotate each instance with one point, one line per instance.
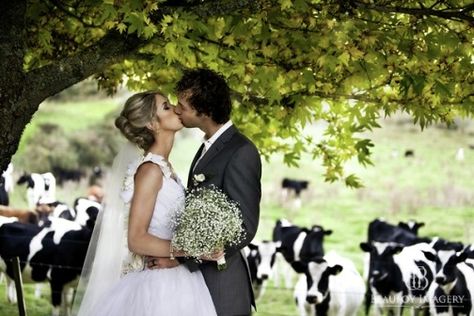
(209, 222)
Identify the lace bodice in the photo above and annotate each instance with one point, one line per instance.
(170, 199)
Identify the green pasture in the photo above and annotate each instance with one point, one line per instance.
(431, 187)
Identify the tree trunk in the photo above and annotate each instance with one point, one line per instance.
(12, 87)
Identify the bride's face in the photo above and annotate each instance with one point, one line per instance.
(168, 120)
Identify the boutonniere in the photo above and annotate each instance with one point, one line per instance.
(200, 178)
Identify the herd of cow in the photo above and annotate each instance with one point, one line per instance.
(402, 270)
(50, 238)
(429, 275)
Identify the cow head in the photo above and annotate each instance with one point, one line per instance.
(411, 226)
(439, 244)
(313, 243)
(267, 251)
(26, 178)
(319, 272)
(446, 267)
(277, 234)
(381, 259)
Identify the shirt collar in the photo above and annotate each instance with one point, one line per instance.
(208, 142)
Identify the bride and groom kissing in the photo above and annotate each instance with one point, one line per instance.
(171, 283)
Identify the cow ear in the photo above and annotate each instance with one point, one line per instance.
(335, 270)
(421, 224)
(430, 256)
(365, 246)
(328, 232)
(458, 246)
(402, 225)
(461, 257)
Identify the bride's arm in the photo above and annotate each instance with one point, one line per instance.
(148, 182)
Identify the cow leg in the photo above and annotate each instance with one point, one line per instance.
(2, 277)
(288, 274)
(378, 305)
(299, 294)
(38, 287)
(66, 301)
(11, 291)
(284, 196)
(297, 203)
(56, 297)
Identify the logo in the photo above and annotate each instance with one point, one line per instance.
(420, 284)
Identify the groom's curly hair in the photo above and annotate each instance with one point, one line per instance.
(207, 92)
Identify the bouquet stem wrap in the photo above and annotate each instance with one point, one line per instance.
(209, 222)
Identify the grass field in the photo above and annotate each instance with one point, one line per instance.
(431, 187)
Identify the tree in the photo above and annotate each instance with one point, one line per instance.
(289, 62)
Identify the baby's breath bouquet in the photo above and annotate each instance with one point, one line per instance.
(209, 222)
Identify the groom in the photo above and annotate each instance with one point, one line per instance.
(230, 161)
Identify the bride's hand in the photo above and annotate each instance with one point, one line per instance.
(214, 256)
(160, 263)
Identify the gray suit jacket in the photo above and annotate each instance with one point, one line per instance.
(232, 164)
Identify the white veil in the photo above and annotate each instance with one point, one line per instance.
(108, 246)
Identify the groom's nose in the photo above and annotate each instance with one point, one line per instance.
(177, 110)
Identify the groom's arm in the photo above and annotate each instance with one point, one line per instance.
(242, 184)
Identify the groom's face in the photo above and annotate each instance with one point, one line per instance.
(186, 112)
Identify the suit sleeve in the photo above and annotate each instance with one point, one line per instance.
(242, 184)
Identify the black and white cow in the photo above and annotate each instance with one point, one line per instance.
(295, 186)
(41, 188)
(8, 176)
(54, 252)
(411, 226)
(381, 231)
(299, 245)
(56, 209)
(452, 293)
(64, 175)
(333, 285)
(400, 274)
(266, 262)
(6, 185)
(85, 208)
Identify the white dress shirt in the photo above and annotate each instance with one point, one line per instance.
(209, 142)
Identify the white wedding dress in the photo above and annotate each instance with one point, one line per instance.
(158, 292)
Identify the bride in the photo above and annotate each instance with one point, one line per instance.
(142, 195)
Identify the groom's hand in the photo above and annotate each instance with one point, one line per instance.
(160, 263)
(214, 256)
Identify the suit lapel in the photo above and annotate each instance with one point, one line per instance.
(196, 157)
(215, 149)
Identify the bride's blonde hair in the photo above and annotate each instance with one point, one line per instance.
(139, 110)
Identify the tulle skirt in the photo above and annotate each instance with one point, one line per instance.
(160, 292)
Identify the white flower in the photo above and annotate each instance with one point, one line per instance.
(210, 221)
(199, 177)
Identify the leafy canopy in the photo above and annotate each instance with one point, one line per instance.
(290, 63)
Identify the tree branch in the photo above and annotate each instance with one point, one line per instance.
(224, 7)
(53, 78)
(456, 14)
(58, 5)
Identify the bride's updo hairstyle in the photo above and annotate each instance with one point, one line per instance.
(139, 110)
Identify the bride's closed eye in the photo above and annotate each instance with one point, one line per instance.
(166, 106)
